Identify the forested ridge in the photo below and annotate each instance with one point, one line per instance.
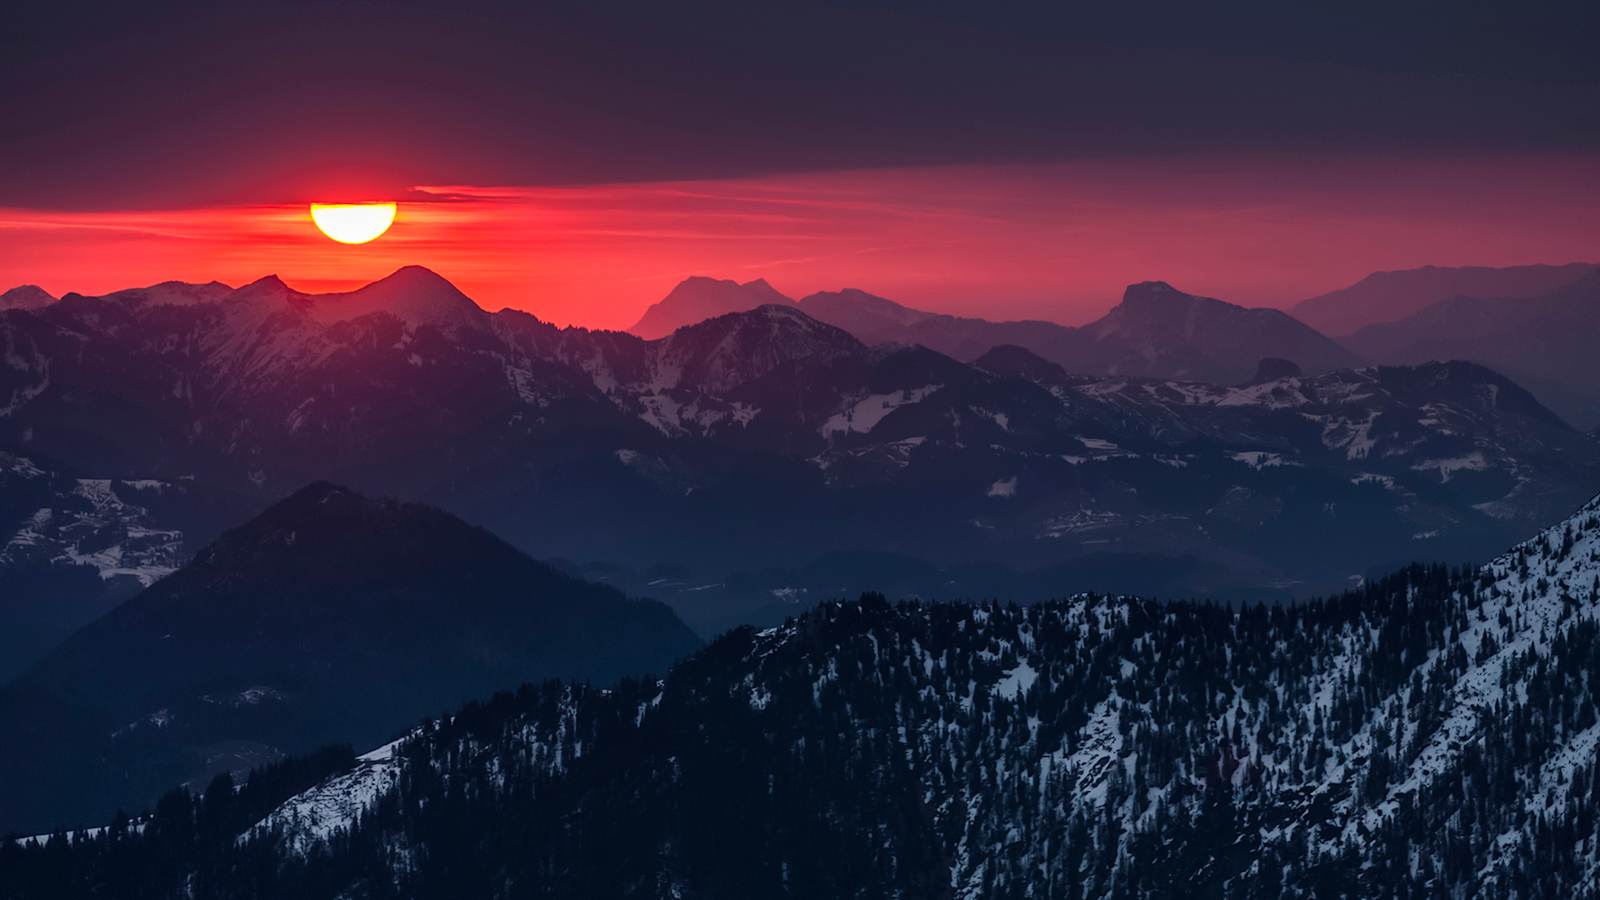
(1431, 734)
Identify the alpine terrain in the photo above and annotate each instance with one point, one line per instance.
(328, 618)
(1432, 734)
(847, 464)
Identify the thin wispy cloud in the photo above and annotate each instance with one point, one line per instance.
(1056, 242)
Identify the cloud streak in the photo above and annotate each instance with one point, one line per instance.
(1041, 241)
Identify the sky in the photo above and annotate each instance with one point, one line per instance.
(1010, 161)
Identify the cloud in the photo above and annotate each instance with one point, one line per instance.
(1007, 241)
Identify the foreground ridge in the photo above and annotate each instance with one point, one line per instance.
(1432, 734)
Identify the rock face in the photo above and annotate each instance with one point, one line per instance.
(328, 618)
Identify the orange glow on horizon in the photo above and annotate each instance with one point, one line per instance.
(353, 223)
(1055, 242)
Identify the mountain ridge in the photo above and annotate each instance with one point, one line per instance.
(1027, 472)
(1393, 295)
(698, 298)
(1537, 339)
(328, 617)
(1432, 732)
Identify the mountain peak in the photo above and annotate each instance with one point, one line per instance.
(266, 283)
(1147, 294)
(352, 613)
(1160, 330)
(27, 296)
(739, 347)
(1392, 296)
(167, 293)
(414, 294)
(416, 276)
(1012, 361)
(698, 298)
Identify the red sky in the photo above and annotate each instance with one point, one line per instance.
(1042, 241)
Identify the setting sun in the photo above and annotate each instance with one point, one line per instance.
(353, 223)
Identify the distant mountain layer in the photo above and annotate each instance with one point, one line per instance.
(1156, 331)
(328, 618)
(1546, 342)
(698, 299)
(1433, 733)
(1391, 296)
(845, 465)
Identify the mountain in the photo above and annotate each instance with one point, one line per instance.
(73, 548)
(847, 465)
(328, 618)
(1156, 331)
(412, 294)
(699, 298)
(1159, 331)
(876, 320)
(1540, 341)
(1432, 733)
(27, 296)
(1391, 296)
(167, 293)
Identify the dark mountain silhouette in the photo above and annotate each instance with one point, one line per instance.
(1159, 331)
(27, 296)
(328, 618)
(1545, 342)
(167, 293)
(1272, 369)
(699, 298)
(1156, 332)
(877, 320)
(412, 294)
(1391, 296)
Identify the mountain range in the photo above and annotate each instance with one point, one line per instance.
(1541, 341)
(1391, 296)
(1431, 734)
(1156, 331)
(329, 618)
(847, 464)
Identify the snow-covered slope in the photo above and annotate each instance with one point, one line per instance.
(648, 447)
(1432, 734)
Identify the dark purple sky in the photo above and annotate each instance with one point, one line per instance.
(119, 105)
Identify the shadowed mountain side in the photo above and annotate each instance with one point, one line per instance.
(1545, 342)
(1156, 331)
(328, 618)
(1391, 296)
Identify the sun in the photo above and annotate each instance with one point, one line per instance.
(353, 223)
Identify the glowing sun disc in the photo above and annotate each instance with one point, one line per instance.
(353, 223)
